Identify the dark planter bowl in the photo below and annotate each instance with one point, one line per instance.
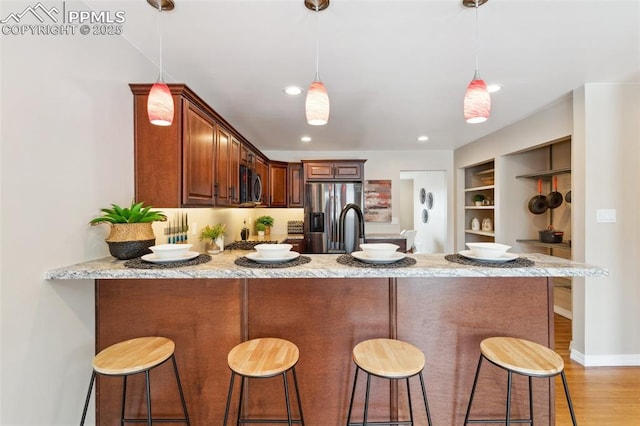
(125, 250)
(551, 236)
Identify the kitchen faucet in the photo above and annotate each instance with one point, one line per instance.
(343, 215)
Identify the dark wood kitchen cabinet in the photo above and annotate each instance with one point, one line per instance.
(194, 162)
(295, 185)
(333, 170)
(277, 184)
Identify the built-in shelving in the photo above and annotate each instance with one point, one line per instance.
(483, 233)
(479, 188)
(479, 207)
(546, 174)
(537, 243)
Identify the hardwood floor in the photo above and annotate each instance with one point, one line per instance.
(602, 396)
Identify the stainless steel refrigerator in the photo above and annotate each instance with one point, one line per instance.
(324, 203)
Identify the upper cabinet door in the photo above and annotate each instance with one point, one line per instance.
(222, 168)
(295, 181)
(198, 146)
(234, 171)
(277, 185)
(335, 170)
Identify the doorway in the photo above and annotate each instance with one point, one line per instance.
(423, 200)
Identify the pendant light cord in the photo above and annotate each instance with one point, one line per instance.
(160, 34)
(477, 42)
(317, 78)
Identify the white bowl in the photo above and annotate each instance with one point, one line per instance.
(170, 251)
(488, 250)
(273, 251)
(379, 250)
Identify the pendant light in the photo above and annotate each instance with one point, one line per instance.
(477, 100)
(317, 101)
(160, 101)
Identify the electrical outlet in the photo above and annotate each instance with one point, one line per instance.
(194, 228)
(606, 215)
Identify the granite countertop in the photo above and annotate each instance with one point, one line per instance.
(326, 266)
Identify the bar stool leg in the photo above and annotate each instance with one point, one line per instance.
(509, 379)
(424, 397)
(229, 394)
(86, 401)
(147, 378)
(566, 392)
(366, 400)
(184, 403)
(286, 398)
(473, 391)
(531, 399)
(353, 393)
(295, 382)
(124, 399)
(409, 398)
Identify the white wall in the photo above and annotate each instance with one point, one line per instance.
(66, 151)
(607, 143)
(388, 165)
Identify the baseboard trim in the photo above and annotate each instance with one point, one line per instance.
(619, 360)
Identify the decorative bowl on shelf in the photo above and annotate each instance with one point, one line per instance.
(273, 251)
(488, 250)
(170, 251)
(379, 250)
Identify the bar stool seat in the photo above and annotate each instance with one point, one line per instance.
(264, 358)
(521, 357)
(390, 359)
(135, 356)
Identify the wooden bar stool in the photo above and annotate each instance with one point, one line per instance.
(521, 357)
(134, 356)
(259, 359)
(389, 359)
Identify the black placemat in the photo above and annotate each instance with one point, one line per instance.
(244, 261)
(520, 262)
(347, 259)
(138, 263)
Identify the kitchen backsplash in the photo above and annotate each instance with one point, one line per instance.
(198, 218)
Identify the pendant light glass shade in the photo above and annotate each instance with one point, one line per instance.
(477, 101)
(160, 105)
(317, 104)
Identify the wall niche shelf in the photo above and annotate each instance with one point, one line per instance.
(479, 207)
(483, 233)
(564, 246)
(480, 188)
(545, 175)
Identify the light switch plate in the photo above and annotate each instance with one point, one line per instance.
(606, 215)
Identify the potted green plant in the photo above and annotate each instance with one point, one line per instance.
(214, 235)
(267, 221)
(478, 199)
(260, 227)
(131, 232)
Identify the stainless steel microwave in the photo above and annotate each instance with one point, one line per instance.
(250, 186)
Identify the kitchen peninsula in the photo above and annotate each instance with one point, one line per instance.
(326, 308)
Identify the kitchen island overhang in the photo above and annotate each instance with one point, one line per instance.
(326, 308)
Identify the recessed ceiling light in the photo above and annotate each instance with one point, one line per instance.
(305, 139)
(292, 90)
(492, 88)
(423, 138)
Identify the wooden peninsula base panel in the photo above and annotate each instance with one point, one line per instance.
(325, 317)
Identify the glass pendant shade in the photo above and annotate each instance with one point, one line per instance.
(160, 105)
(317, 104)
(477, 101)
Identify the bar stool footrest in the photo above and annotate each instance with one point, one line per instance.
(500, 421)
(154, 420)
(390, 423)
(268, 421)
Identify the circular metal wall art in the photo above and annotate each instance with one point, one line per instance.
(423, 195)
(425, 216)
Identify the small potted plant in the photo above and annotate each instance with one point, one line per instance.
(131, 232)
(260, 227)
(267, 221)
(214, 237)
(478, 199)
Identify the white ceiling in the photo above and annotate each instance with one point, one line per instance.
(394, 69)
